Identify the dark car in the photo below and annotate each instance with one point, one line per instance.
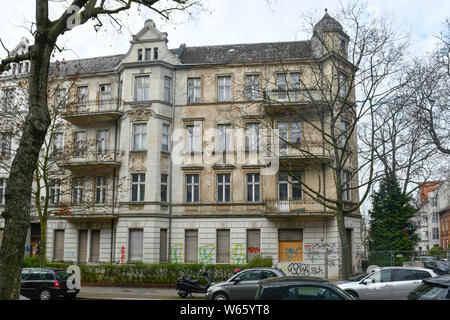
(439, 267)
(300, 288)
(45, 284)
(437, 288)
(243, 285)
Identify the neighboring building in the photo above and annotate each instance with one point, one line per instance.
(435, 198)
(142, 130)
(444, 216)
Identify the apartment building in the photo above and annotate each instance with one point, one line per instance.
(169, 154)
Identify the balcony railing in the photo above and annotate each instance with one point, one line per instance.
(91, 157)
(82, 112)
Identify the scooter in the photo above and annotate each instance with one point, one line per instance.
(186, 286)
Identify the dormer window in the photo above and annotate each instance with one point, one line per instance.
(139, 54)
(155, 53)
(148, 52)
(343, 45)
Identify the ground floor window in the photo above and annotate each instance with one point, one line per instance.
(223, 246)
(135, 245)
(163, 245)
(253, 244)
(290, 245)
(191, 246)
(58, 245)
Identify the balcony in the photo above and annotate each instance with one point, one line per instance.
(92, 159)
(293, 207)
(298, 158)
(278, 101)
(88, 112)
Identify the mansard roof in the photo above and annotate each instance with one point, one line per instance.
(89, 65)
(246, 53)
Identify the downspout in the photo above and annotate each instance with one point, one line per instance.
(116, 129)
(174, 74)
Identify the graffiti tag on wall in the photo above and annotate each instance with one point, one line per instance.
(301, 269)
(206, 253)
(176, 253)
(238, 254)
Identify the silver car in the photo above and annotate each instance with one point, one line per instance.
(243, 285)
(387, 283)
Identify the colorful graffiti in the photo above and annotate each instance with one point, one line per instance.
(176, 253)
(238, 254)
(206, 254)
(253, 250)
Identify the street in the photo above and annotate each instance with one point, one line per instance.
(131, 293)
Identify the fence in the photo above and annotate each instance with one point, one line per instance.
(397, 258)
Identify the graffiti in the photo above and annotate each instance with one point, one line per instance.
(253, 250)
(301, 269)
(291, 254)
(176, 253)
(330, 248)
(313, 254)
(122, 257)
(206, 254)
(238, 254)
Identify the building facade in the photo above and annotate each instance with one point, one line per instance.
(169, 155)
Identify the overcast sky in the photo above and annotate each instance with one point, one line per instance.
(228, 21)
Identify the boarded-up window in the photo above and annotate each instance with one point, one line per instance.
(58, 245)
(290, 245)
(253, 244)
(163, 245)
(136, 242)
(223, 246)
(82, 246)
(95, 245)
(191, 246)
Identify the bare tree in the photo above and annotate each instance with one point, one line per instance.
(46, 33)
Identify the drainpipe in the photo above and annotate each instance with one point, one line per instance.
(174, 74)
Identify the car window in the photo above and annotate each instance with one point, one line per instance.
(422, 274)
(47, 275)
(250, 275)
(404, 275)
(380, 276)
(34, 275)
(267, 274)
(25, 274)
(429, 292)
(310, 293)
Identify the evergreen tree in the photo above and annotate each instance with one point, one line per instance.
(391, 225)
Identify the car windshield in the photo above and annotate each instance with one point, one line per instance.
(428, 291)
(343, 292)
(359, 277)
(441, 264)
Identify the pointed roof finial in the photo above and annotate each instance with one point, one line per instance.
(326, 11)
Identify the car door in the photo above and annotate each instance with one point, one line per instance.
(25, 287)
(380, 286)
(245, 285)
(403, 282)
(34, 282)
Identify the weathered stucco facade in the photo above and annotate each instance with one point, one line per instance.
(152, 178)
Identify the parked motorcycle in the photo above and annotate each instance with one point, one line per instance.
(186, 286)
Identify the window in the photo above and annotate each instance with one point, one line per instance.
(342, 45)
(165, 138)
(102, 142)
(141, 88)
(164, 187)
(8, 99)
(251, 275)
(148, 54)
(163, 245)
(435, 201)
(224, 134)
(435, 233)
(343, 79)
(252, 87)
(136, 243)
(80, 144)
(167, 89)
(253, 187)
(307, 293)
(5, 144)
(155, 53)
(139, 55)
(137, 187)
(82, 96)
(58, 245)
(191, 246)
(282, 86)
(104, 96)
(290, 244)
(380, 276)
(2, 190)
(346, 186)
(77, 193)
(296, 134)
(95, 246)
(283, 136)
(193, 138)
(55, 191)
(253, 244)
(100, 189)
(252, 137)
(295, 86)
(289, 133)
(345, 127)
(283, 185)
(404, 275)
(57, 145)
(192, 187)
(224, 88)
(296, 185)
(194, 90)
(60, 97)
(224, 187)
(223, 246)
(434, 217)
(139, 136)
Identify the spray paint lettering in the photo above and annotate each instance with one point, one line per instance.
(176, 252)
(238, 254)
(206, 253)
(301, 269)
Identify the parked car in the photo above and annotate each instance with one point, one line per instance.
(440, 267)
(45, 284)
(243, 285)
(300, 288)
(432, 289)
(388, 283)
(426, 258)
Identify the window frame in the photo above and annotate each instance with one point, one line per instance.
(142, 88)
(138, 185)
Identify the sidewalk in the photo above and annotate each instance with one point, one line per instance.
(132, 293)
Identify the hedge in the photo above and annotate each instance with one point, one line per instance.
(140, 273)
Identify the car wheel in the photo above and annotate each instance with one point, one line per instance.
(182, 293)
(353, 293)
(45, 294)
(220, 296)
